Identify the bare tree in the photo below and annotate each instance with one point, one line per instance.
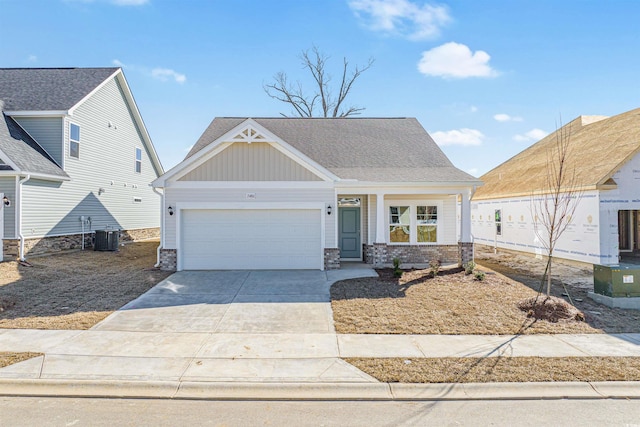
(306, 104)
(555, 206)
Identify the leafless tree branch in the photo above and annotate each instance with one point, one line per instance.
(554, 207)
(306, 105)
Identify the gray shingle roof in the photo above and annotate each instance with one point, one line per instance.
(23, 151)
(48, 89)
(365, 149)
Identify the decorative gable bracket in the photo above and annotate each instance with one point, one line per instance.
(249, 135)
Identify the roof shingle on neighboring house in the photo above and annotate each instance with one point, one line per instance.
(363, 149)
(48, 89)
(599, 147)
(25, 153)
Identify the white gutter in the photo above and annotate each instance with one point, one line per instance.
(155, 190)
(19, 214)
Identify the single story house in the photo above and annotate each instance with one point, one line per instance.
(75, 157)
(308, 193)
(604, 153)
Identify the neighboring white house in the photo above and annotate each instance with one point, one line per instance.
(75, 157)
(306, 193)
(606, 224)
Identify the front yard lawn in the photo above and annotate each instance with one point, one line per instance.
(450, 304)
(455, 303)
(75, 290)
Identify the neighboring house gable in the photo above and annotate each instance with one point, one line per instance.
(84, 126)
(604, 157)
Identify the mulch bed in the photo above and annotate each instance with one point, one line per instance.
(451, 303)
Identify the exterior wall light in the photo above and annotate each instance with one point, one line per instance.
(329, 210)
(170, 210)
(6, 201)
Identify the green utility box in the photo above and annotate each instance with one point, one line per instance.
(617, 280)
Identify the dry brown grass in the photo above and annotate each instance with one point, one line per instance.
(569, 280)
(451, 303)
(7, 359)
(501, 369)
(75, 290)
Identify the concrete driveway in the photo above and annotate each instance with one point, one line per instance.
(234, 302)
(220, 326)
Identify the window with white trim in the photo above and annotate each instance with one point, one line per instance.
(138, 167)
(414, 222)
(399, 224)
(74, 140)
(427, 224)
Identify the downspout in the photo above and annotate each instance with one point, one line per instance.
(155, 190)
(473, 257)
(19, 214)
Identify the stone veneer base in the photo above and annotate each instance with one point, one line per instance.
(382, 254)
(56, 244)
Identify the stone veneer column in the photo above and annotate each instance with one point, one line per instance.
(168, 259)
(465, 250)
(379, 254)
(331, 258)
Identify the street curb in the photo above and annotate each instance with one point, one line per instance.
(318, 391)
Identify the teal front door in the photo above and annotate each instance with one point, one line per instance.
(349, 232)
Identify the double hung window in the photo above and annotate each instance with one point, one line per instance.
(413, 223)
(74, 140)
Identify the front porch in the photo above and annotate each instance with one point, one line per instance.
(414, 226)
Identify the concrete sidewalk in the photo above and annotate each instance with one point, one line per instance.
(274, 357)
(266, 335)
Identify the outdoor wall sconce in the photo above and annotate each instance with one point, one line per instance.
(170, 210)
(100, 191)
(6, 201)
(329, 210)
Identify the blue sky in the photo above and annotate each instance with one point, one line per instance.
(485, 78)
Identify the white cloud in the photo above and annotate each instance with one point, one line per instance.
(473, 109)
(118, 63)
(462, 136)
(455, 60)
(32, 58)
(401, 17)
(507, 118)
(165, 74)
(473, 171)
(532, 135)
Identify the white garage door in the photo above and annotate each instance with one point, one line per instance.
(246, 239)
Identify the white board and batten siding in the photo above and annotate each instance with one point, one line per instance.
(257, 161)
(108, 140)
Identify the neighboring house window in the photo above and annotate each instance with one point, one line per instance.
(138, 160)
(74, 140)
(399, 224)
(427, 224)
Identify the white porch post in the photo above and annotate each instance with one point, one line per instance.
(465, 217)
(380, 231)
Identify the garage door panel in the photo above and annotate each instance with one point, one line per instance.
(251, 239)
